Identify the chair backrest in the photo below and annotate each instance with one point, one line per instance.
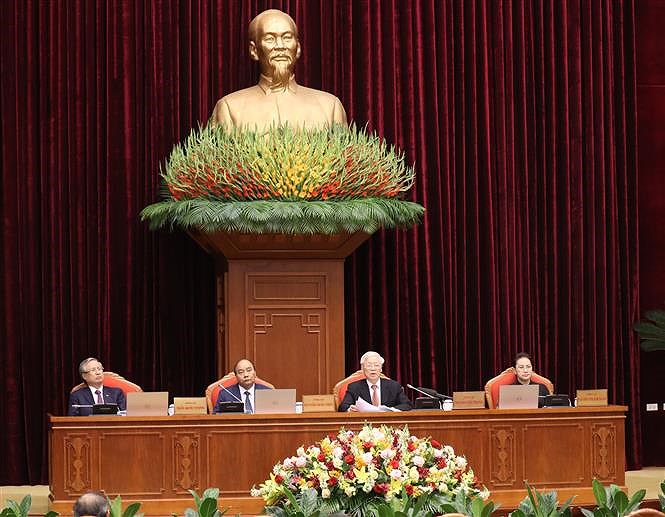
(340, 388)
(508, 376)
(113, 380)
(212, 391)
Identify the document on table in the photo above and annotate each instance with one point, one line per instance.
(363, 406)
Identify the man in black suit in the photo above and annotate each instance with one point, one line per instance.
(374, 389)
(94, 392)
(244, 388)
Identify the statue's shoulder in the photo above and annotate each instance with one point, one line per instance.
(319, 94)
(241, 95)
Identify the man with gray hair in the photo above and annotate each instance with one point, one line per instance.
(92, 504)
(93, 391)
(374, 389)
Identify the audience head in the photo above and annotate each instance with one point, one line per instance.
(372, 364)
(523, 367)
(92, 372)
(91, 504)
(245, 373)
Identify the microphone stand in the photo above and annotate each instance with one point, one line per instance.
(425, 393)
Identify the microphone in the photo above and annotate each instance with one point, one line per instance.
(433, 394)
(229, 391)
(422, 390)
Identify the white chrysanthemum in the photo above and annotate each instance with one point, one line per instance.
(396, 474)
(350, 491)
(288, 463)
(413, 474)
(300, 462)
(300, 451)
(365, 434)
(325, 493)
(367, 458)
(484, 494)
(438, 453)
(460, 461)
(387, 454)
(418, 461)
(338, 463)
(337, 452)
(449, 450)
(314, 451)
(378, 435)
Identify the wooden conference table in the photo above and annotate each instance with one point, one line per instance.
(156, 460)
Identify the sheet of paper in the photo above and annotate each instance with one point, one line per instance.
(363, 406)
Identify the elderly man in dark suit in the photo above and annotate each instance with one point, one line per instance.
(94, 392)
(374, 389)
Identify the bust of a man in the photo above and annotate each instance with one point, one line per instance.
(277, 99)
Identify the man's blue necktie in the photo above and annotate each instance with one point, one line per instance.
(248, 404)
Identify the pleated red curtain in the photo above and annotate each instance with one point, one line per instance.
(519, 116)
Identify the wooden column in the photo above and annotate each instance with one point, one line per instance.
(281, 305)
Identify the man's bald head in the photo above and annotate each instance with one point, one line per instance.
(91, 504)
(254, 25)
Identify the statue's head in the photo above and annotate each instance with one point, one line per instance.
(273, 42)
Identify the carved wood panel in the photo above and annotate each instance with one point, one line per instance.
(603, 438)
(502, 456)
(77, 463)
(186, 462)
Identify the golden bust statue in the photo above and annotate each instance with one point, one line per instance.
(277, 99)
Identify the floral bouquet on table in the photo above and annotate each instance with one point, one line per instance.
(357, 472)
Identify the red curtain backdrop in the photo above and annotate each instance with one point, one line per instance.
(519, 116)
(650, 65)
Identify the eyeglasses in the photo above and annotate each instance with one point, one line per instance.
(373, 366)
(96, 369)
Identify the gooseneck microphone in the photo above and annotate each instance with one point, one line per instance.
(433, 394)
(421, 391)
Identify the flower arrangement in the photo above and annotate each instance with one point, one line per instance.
(352, 471)
(284, 181)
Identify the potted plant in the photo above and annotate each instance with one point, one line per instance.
(284, 181)
(356, 473)
(652, 331)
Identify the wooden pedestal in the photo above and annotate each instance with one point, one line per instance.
(280, 303)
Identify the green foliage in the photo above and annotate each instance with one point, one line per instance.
(284, 181)
(539, 504)
(309, 504)
(471, 506)
(285, 163)
(652, 331)
(22, 509)
(285, 217)
(661, 496)
(405, 506)
(206, 504)
(612, 501)
(116, 510)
